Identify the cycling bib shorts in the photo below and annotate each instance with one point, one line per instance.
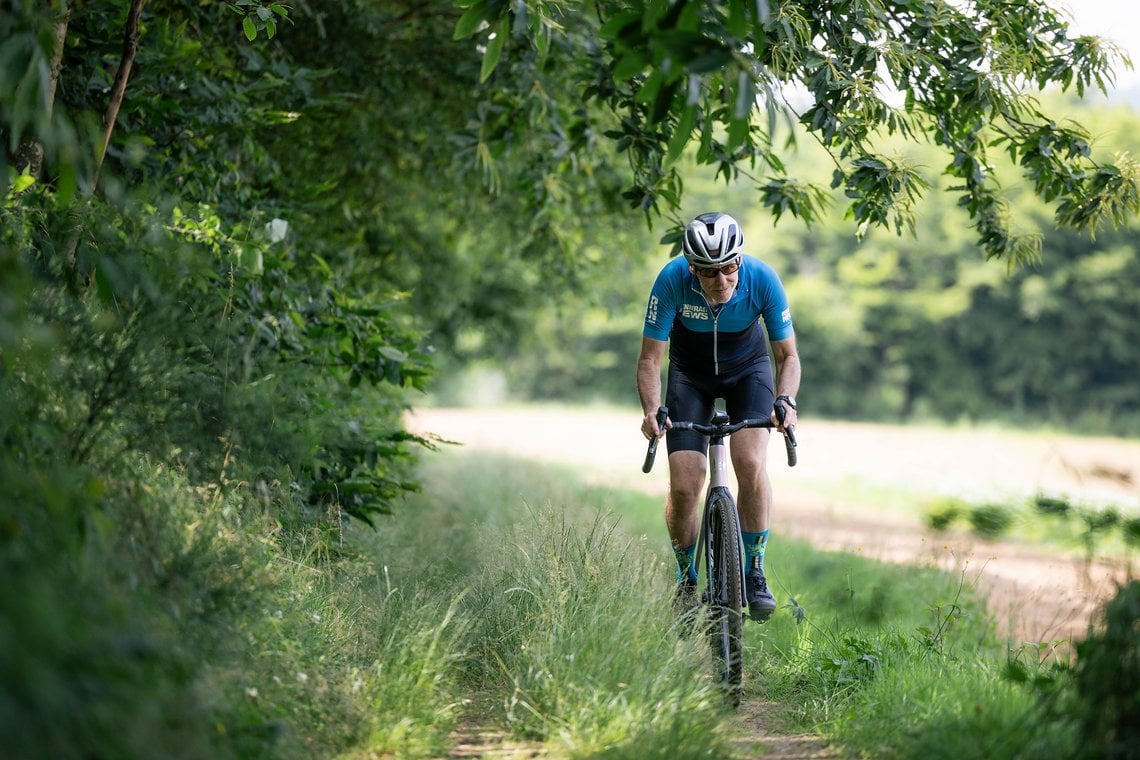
(748, 395)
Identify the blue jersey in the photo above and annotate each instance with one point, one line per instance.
(706, 339)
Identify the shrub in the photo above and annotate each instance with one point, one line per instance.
(1107, 675)
(943, 513)
(1048, 505)
(1131, 530)
(991, 520)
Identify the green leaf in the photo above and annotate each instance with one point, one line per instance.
(711, 61)
(22, 183)
(250, 29)
(629, 65)
(470, 20)
(395, 354)
(681, 134)
(737, 133)
(663, 103)
(648, 91)
(621, 25)
(737, 24)
(494, 49)
(745, 96)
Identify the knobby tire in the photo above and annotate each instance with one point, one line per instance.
(725, 574)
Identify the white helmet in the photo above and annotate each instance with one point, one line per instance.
(712, 240)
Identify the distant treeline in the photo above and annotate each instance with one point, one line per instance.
(902, 327)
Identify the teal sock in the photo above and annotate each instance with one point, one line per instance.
(685, 563)
(754, 544)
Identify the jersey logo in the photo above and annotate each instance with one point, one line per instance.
(694, 311)
(786, 315)
(651, 312)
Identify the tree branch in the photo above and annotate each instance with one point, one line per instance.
(119, 88)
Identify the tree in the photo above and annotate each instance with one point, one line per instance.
(723, 76)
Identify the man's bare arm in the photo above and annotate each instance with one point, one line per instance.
(649, 383)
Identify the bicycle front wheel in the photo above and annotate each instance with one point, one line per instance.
(723, 564)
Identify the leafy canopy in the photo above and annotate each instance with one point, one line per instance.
(724, 76)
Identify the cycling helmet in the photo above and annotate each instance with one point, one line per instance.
(712, 240)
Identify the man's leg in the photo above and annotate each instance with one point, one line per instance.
(686, 480)
(749, 449)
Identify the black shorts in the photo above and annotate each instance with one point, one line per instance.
(748, 394)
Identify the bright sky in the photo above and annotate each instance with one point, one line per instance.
(1114, 19)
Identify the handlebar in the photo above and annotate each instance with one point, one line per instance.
(723, 430)
(662, 415)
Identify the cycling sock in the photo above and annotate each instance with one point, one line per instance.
(754, 544)
(685, 563)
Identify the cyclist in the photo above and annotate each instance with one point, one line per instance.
(707, 307)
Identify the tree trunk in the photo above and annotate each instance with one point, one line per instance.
(30, 153)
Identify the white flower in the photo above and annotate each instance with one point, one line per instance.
(276, 230)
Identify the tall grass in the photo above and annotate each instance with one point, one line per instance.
(567, 610)
(505, 595)
(568, 633)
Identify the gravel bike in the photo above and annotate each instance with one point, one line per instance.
(719, 543)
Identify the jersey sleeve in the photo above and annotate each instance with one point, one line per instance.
(775, 311)
(661, 309)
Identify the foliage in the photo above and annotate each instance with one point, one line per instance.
(724, 76)
(210, 330)
(892, 328)
(990, 520)
(944, 512)
(1050, 519)
(1107, 676)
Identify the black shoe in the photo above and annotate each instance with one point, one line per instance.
(761, 603)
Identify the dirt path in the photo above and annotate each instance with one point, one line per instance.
(1035, 594)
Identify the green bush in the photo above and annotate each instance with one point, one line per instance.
(991, 520)
(1107, 677)
(1131, 530)
(1048, 505)
(944, 513)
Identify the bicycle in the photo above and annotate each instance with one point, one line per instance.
(719, 542)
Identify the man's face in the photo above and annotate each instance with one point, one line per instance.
(718, 284)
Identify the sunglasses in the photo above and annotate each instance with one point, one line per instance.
(711, 272)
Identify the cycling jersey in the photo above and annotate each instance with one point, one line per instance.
(717, 339)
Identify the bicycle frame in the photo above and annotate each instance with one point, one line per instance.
(718, 478)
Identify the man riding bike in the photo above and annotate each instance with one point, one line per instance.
(707, 307)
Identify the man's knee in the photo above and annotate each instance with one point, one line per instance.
(686, 477)
(685, 494)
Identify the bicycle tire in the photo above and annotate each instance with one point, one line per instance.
(724, 571)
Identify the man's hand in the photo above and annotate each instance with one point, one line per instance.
(784, 416)
(650, 428)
